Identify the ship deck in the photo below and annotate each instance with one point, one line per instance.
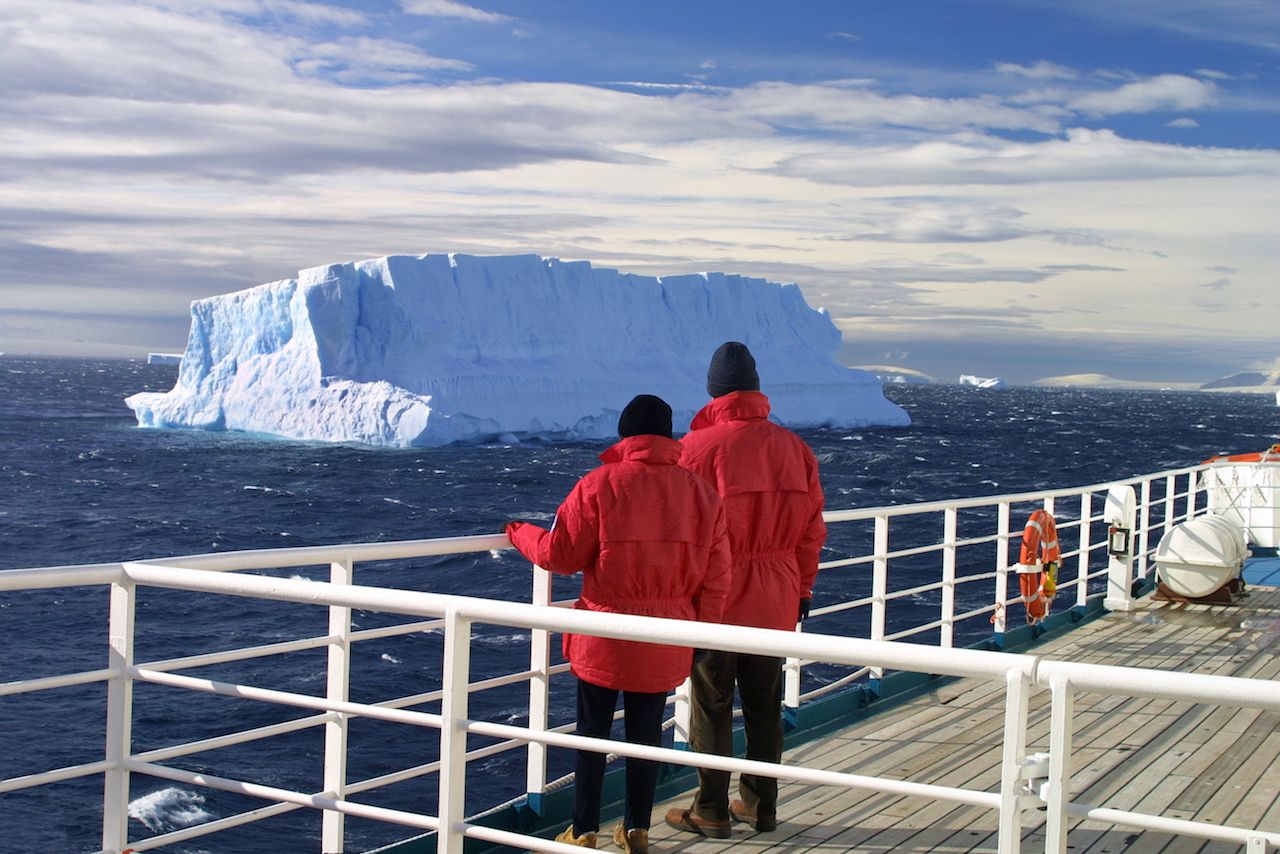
(1214, 764)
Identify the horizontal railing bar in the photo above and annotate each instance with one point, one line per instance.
(863, 514)
(305, 701)
(837, 650)
(393, 777)
(1178, 826)
(323, 800)
(231, 739)
(840, 606)
(48, 577)
(836, 685)
(57, 775)
(915, 550)
(1163, 684)
(911, 591)
(353, 552)
(851, 561)
(396, 630)
(206, 659)
(48, 683)
(690, 758)
(226, 823)
(906, 633)
(977, 612)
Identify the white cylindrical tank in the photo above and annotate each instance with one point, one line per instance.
(1198, 556)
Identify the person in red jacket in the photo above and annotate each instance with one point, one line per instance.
(768, 478)
(650, 538)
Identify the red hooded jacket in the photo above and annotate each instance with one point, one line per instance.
(768, 479)
(650, 539)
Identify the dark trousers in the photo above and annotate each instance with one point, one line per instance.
(642, 719)
(759, 683)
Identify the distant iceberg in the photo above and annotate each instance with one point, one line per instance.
(981, 382)
(164, 358)
(428, 350)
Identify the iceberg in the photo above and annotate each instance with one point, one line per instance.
(981, 382)
(427, 350)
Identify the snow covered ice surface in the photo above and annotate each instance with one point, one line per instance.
(433, 349)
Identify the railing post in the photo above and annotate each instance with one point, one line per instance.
(1012, 804)
(791, 692)
(682, 713)
(1121, 513)
(453, 735)
(948, 615)
(879, 585)
(1144, 529)
(338, 688)
(1086, 546)
(1002, 569)
(1059, 783)
(539, 695)
(1170, 490)
(119, 735)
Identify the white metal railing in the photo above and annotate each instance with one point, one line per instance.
(1161, 495)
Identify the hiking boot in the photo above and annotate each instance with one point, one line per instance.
(689, 821)
(632, 841)
(586, 840)
(739, 811)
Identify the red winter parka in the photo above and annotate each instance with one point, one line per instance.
(768, 479)
(650, 539)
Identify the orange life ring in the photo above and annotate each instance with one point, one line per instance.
(1037, 564)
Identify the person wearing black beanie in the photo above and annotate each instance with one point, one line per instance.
(645, 415)
(768, 479)
(732, 368)
(649, 538)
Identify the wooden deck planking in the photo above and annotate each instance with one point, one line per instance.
(1215, 764)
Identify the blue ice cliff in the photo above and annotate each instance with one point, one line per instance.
(427, 350)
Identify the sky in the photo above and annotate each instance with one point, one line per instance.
(1014, 188)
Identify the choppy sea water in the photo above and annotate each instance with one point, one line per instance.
(79, 483)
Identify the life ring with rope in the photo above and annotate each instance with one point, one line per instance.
(1038, 565)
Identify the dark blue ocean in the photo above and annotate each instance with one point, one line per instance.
(79, 483)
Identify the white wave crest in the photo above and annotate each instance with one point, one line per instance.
(169, 809)
(386, 656)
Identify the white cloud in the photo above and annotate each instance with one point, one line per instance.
(451, 9)
(1084, 155)
(847, 107)
(360, 59)
(1042, 70)
(1173, 92)
(1213, 74)
(940, 220)
(315, 13)
(1183, 122)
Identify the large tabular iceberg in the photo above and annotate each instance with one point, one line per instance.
(433, 349)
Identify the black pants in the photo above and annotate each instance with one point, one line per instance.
(642, 718)
(759, 682)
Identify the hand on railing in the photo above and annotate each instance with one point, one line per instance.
(804, 609)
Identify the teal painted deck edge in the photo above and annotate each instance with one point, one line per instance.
(816, 720)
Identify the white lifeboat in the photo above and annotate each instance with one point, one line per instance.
(1199, 557)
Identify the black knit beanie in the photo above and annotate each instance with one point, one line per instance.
(733, 368)
(645, 415)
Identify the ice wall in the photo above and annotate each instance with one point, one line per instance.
(433, 349)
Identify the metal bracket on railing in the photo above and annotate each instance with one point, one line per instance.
(1035, 774)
